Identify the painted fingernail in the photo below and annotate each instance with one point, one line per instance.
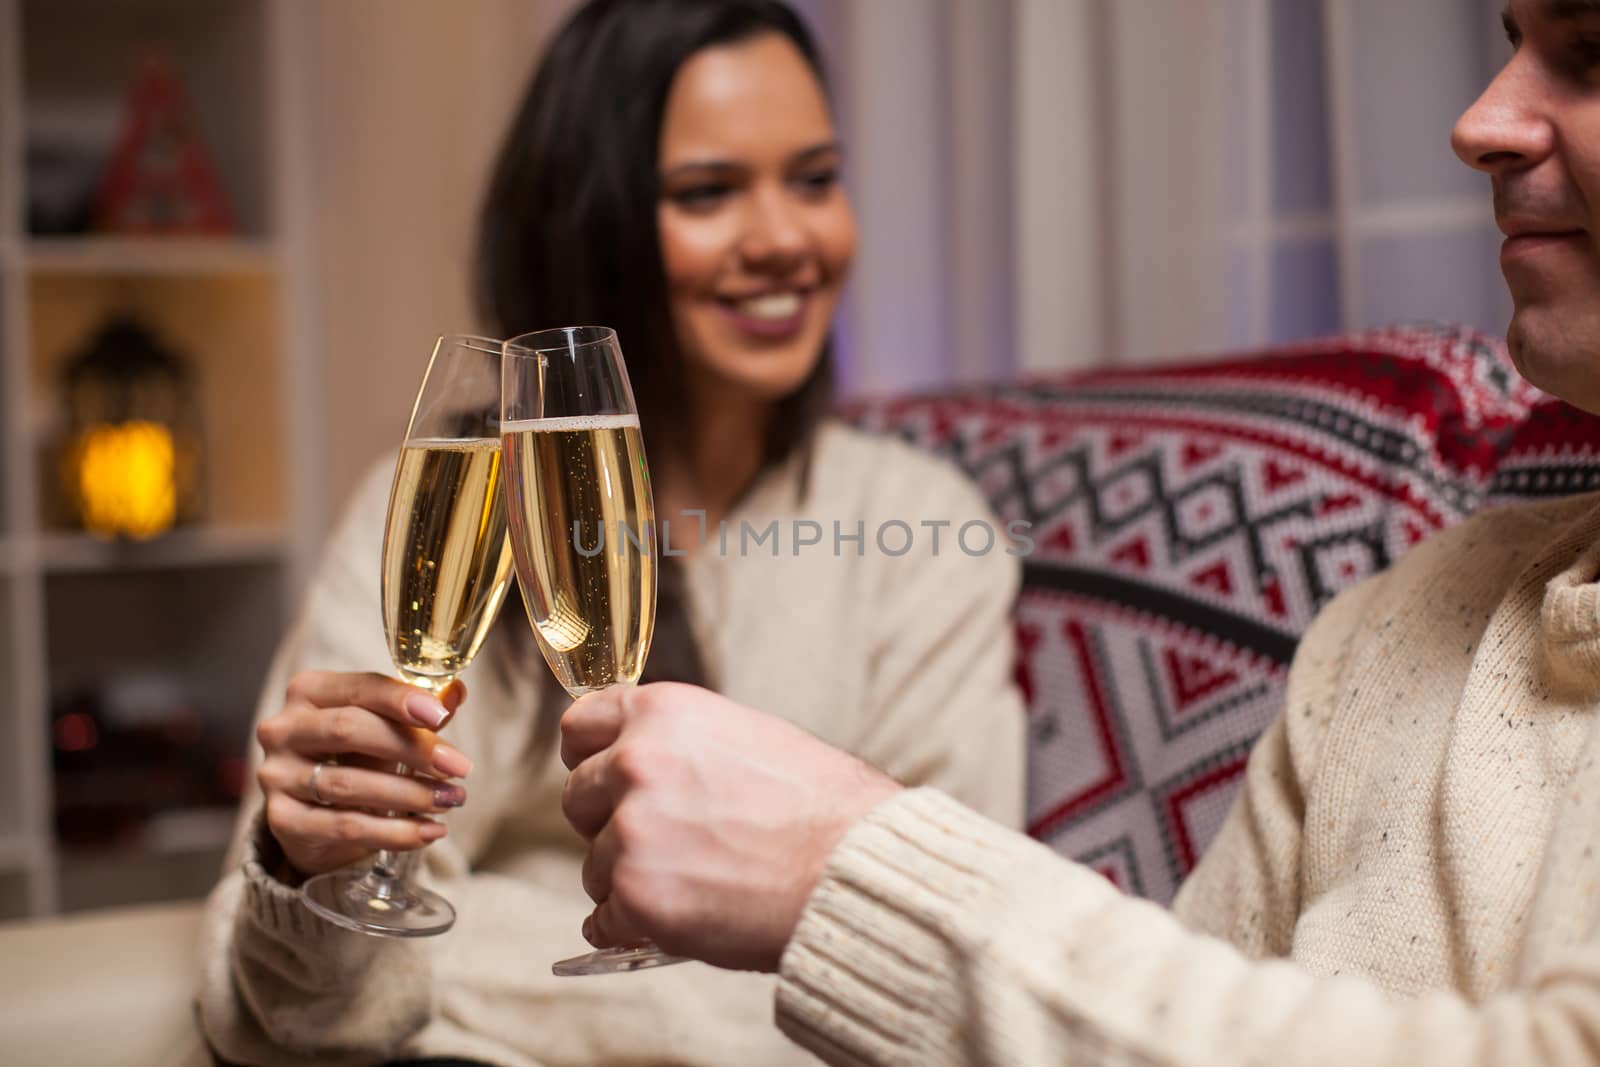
(449, 796)
(425, 710)
(449, 762)
(431, 831)
(588, 929)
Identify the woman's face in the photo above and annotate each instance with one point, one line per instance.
(756, 231)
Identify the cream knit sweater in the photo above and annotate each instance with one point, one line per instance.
(1411, 876)
(904, 659)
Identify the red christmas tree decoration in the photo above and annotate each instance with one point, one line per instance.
(161, 179)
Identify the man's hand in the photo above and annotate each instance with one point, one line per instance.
(709, 823)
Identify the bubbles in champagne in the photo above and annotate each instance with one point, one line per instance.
(571, 423)
(592, 604)
(446, 560)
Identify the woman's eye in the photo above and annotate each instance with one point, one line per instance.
(1585, 51)
(818, 182)
(700, 197)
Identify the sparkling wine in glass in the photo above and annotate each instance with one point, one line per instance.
(582, 527)
(446, 568)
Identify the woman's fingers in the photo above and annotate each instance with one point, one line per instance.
(390, 698)
(295, 822)
(318, 732)
(341, 786)
(325, 813)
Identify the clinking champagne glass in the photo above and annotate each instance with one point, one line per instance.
(582, 527)
(446, 568)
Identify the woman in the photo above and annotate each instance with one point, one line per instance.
(674, 173)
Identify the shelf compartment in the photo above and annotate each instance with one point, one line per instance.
(80, 58)
(227, 328)
(207, 634)
(148, 255)
(204, 546)
(153, 678)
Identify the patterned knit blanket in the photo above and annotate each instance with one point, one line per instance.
(1189, 520)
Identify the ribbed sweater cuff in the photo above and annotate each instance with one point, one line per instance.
(867, 975)
(273, 905)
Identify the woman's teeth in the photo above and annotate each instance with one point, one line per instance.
(774, 307)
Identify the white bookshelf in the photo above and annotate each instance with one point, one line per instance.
(16, 850)
(150, 256)
(208, 546)
(202, 606)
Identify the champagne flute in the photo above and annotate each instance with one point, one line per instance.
(446, 568)
(582, 527)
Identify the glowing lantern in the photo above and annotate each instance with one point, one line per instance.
(131, 460)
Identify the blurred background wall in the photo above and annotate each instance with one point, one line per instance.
(408, 106)
(1041, 185)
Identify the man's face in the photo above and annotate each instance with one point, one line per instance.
(1536, 132)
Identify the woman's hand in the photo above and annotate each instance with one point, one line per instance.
(369, 724)
(708, 823)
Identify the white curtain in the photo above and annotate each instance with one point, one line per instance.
(1054, 183)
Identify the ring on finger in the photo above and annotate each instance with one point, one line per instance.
(311, 785)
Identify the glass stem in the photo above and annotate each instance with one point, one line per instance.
(390, 872)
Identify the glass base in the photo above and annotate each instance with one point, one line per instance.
(615, 961)
(384, 907)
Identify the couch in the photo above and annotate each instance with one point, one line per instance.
(1188, 521)
(108, 988)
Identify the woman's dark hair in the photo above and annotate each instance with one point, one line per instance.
(568, 235)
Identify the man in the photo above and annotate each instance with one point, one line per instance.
(1411, 874)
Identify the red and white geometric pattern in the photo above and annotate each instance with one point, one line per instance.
(1189, 521)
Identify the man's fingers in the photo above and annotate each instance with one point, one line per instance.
(589, 795)
(592, 723)
(611, 926)
(389, 697)
(599, 864)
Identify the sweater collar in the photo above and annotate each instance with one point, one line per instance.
(1570, 614)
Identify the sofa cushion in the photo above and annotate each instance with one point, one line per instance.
(102, 987)
(1188, 522)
